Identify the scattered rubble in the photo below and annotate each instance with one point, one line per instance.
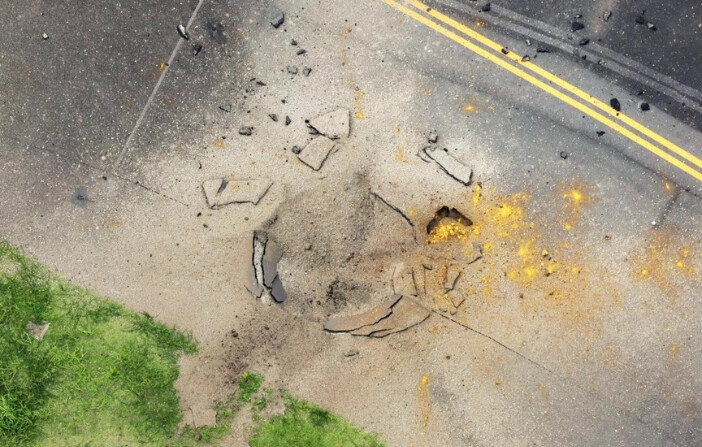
(183, 32)
(220, 192)
(306, 71)
(296, 149)
(542, 49)
(293, 42)
(403, 280)
(80, 196)
(45, 36)
(316, 152)
(292, 69)
(37, 329)
(644, 106)
(504, 50)
(351, 353)
(450, 165)
(263, 273)
(196, 47)
(245, 130)
(334, 125)
(615, 104)
(526, 58)
(528, 42)
(278, 20)
(396, 314)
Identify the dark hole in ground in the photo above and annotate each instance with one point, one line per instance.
(451, 213)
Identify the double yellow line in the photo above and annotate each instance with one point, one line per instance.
(674, 154)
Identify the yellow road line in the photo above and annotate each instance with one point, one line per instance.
(558, 81)
(532, 80)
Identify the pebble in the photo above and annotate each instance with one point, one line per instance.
(287, 120)
(278, 20)
(292, 69)
(183, 32)
(563, 154)
(306, 71)
(486, 7)
(273, 116)
(196, 49)
(584, 41)
(645, 106)
(575, 26)
(245, 130)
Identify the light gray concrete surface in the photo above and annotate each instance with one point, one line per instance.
(605, 351)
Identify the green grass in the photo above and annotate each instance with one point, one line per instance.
(303, 424)
(101, 373)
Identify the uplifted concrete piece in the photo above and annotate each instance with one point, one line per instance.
(271, 257)
(450, 165)
(403, 281)
(220, 192)
(277, 291)
(405, 314)
(316, 152)
(353, 322)
(334, 125)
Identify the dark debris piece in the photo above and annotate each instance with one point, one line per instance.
(287, 120)
(273, 116)
(607, 15)
(542, 49)
(645, 106)
(526, 58)
(504, 50)
(296, 150)
(278, 20)
(432, 136)
(615, 104)
(293, 42)
(80, 196)
(183, 32)
(563, 154)
(584, 41)
(600, 133)
(576, 26)
(306, 71)
(640, 20)
(196, 49)
(301, 51)
(226, 108)
(245, 130)
(486, 7)
(292, 69)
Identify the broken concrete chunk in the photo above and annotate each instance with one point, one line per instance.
(272, 254)
(278, 20)
(183, 32)
(452, 275)
(456, 298)
(607, 15)
(354, 322)
(292, 69)
(403, 280)
(221, 192)
(615, 104)
(334, 125)
(316, 152)
(486, 7)
(450, 165)
(405, 314)
(432, 136)
(645, 106)
(245, 130)
(306, 71)
(37, 329)
(277, 291)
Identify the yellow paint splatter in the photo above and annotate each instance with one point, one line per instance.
(423, 398)
(448, 229)
(477, 194)
(469, 108)
(359, 105)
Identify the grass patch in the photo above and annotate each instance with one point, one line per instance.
(303, 424)
(101, 374)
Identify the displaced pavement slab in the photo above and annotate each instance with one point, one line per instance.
(450, 164)
(316, 152)
(271, 256)
(221, 192)
(370, 317)
(403, 281)
(405, 314)
(334, 125)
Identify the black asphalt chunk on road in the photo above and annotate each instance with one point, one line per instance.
(278, 20)
(616, 105)
(486, 7)
(292, 69)
(287, 120)
(584, 41)
(640, 20)
(542, 49)
(576, 26)
(645, 106)
(563, 155)
(600, 133)
(296, 150)
(293, 42)
(196, 49)
(505, 51)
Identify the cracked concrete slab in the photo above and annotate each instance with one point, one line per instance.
(405, 315)
(451, 165)
(316, 152)
(370, 317)
(334, 125)
(222, 192)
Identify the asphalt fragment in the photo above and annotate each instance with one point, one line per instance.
(273, 116)
(644, 106)
(486, 7)
(600, 133)
(278, 20)
(183, 32)
(306, 71)
(301, 51)
(584, 41)
(196, 49)
(576, 26)
(80, 196)
(615, 104)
